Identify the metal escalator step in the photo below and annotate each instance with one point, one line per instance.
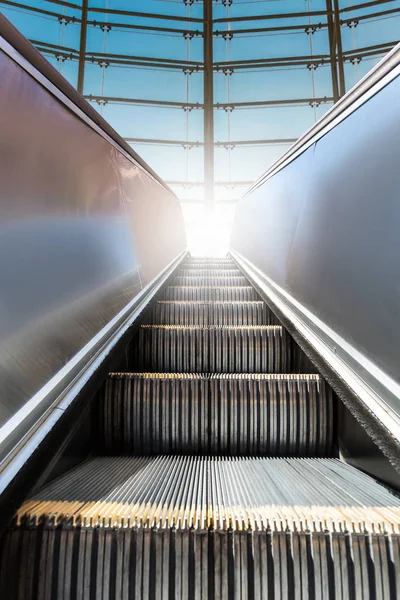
(219, 492)
(202, 267)
(228, 267)
(196, 293)
(212, 313)
(210, 264)
(208, 259)
(264, 415)
(125, 563)
(201, 527)
(210, 281)
(212, 349)
(219, 269)
(208, 272)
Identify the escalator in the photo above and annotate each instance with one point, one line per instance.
(214, 472)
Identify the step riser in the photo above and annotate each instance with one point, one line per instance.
(209, 273)
(217, 294)
(155, 564)
(210, 281)
(212, 351)
(207, 260)
(212, 314)
(209, 265)
(218, 416)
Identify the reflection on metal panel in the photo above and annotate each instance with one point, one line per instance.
(83, 227)
(325, 229)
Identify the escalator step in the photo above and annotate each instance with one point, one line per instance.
(212, 313)
(208, 259)
(264, 415)
(217, 294)
(210, 281)
(126, 563)
(228, 267)
(198, 527)
(209, 272)
(257, 491)
(226, 264)
(212, 349)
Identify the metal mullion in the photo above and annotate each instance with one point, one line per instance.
(267, 29)
(352, 26)
(112, 11)
(256, 142)
(139, 101)
(103, 64)
(160, 141)
(371, 15)
(140, 63)
(228, 97)
(208, 104)
(332, 49)
(342, 84)
(282, 64)
(168, 61)
(380, 52)
(41, 11)
(82, 46)
(53, 46)
(150, 28)
(315, 13)
(222, 64)
(273, 103)
(312, 66)
(385, 46)
(365, 5)
(187, 76)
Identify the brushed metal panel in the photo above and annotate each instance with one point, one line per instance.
(325, 228)
(83, 227)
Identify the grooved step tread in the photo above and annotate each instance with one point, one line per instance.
(243, 493)
(307, 377)
(213, 302)
(269, 328)
(212, 287)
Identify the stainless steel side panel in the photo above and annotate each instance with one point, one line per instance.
(83, 228)
(325, 228)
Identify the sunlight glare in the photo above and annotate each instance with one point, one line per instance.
(208, 233)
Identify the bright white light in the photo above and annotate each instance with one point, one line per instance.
(208, 233)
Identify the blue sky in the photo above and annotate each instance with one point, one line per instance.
(174, 163)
